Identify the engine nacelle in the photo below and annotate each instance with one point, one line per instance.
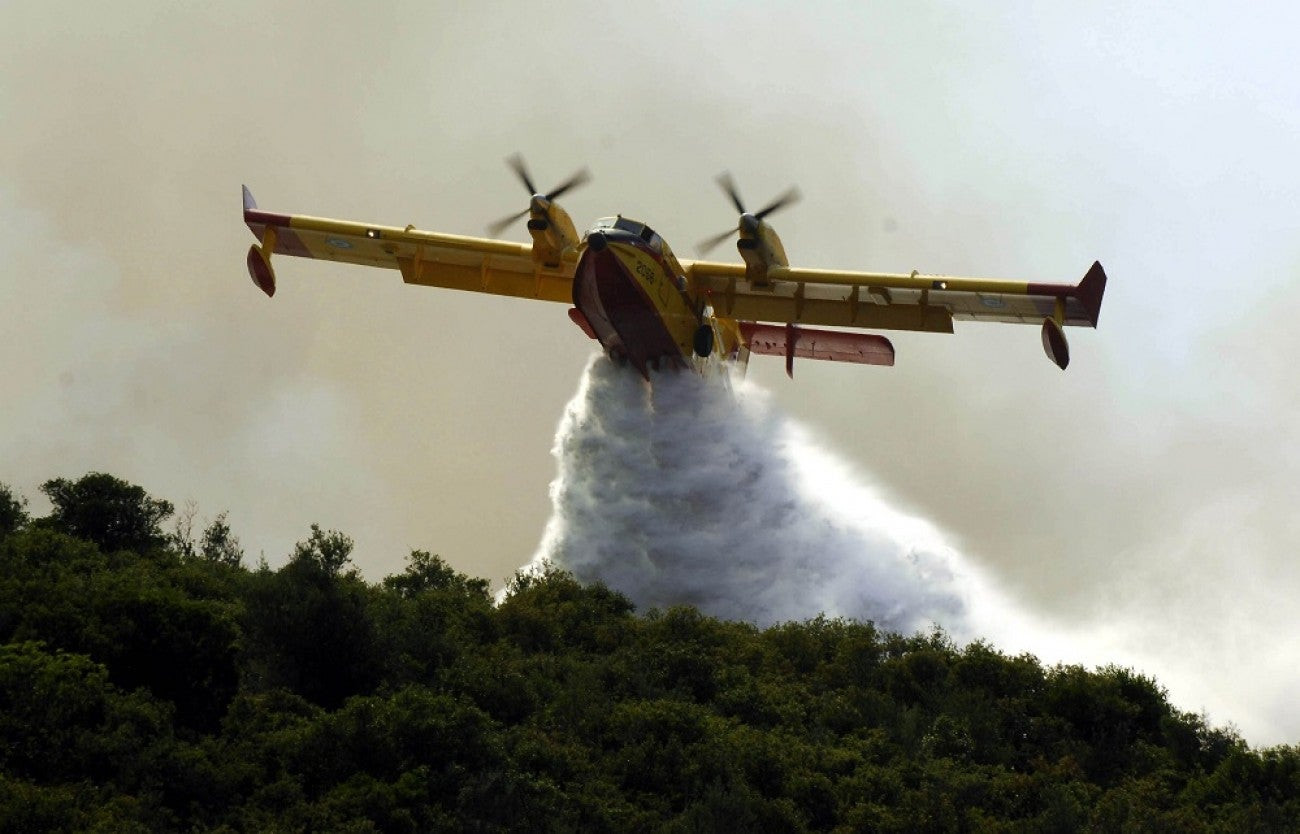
(552, 231)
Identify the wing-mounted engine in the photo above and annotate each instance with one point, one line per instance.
(758, 244)
(551, 228)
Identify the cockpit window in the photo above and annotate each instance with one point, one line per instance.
(625, 224)
(629, 225)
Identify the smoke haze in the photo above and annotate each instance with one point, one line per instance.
(1140, 506)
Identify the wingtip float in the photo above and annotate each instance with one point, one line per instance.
(647, 308)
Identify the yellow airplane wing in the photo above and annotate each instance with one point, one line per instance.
(900, 302)
(429, 258)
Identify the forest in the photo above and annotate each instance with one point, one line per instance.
(151, 680)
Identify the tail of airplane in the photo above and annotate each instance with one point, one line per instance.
(1089, 293)
(259, 257)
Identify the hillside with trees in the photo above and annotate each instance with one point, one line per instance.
(151, 680)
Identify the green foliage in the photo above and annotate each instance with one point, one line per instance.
(54, 713)
(64, 725)
(220, 545)
(153, 622)
(107, 511)
(552, 610)
(430, 616)
(13, 511)
(329, 551)
(151, 684)
(427, 573)
(311, 631)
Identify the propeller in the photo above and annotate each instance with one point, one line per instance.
(748, 222)
(539, 202)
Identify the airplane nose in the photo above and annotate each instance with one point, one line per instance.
(596, 241)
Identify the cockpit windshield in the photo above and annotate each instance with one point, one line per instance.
(625, 224)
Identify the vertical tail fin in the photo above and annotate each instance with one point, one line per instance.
(1090, 291)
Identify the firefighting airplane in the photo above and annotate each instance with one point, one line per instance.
(648, 308)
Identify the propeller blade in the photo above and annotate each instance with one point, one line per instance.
(572, 182)
(500, 226)
(516, 163)
(729, 186)
(749, 223)
(704, 247)
(790, 196)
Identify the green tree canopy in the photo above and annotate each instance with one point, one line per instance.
(146, 686)
(13, 511)
(331, 551)
(108, 511)
(220, 545)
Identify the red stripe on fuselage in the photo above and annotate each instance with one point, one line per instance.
(623, 317)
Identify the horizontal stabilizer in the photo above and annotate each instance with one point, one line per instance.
(831, 345)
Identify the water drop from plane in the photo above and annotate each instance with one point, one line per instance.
(695, 490)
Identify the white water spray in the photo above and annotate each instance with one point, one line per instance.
(694, 491)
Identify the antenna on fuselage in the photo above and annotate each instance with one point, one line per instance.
(749, 223)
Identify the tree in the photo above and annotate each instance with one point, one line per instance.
(310, 626)
(152, 620)
(61, 719)
(13, 515)
(329, 550)
(220, 545)
(427, 571)
(108, 511)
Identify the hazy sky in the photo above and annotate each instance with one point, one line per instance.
(1153, 484)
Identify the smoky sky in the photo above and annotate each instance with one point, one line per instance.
(1152, 484)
